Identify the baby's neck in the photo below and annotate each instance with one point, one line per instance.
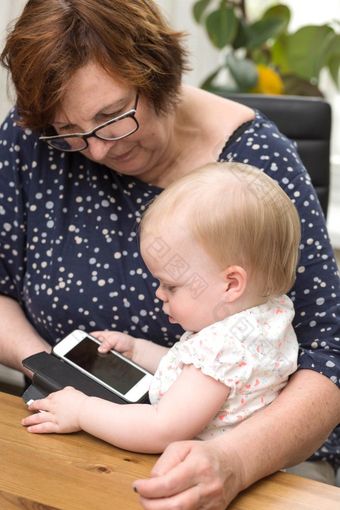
(246, 302)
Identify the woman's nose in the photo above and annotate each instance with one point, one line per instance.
(97, 148)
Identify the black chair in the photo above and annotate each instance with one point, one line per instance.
(307, 121)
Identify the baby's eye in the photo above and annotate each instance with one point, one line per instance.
(171, 288)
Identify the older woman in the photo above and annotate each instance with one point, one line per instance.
(102, 125)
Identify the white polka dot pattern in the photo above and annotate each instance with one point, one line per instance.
(69, 245)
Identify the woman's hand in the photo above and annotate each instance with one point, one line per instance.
(191, 475)
(121, 342)
(58, 413)
(208, 475)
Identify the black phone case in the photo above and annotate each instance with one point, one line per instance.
(52, 374)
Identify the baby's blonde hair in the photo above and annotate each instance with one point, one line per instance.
(240, 216)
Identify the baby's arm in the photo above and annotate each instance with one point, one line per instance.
(184, 411)
(143, 352)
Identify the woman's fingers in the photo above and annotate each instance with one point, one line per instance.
(173, 455)
(167, 473)
(186, 500)
(179, 478)
(191, 475)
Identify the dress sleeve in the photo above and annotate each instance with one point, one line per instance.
(219, 355)
(14, 175)
(316, 293)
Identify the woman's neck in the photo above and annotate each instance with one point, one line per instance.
(197, 131)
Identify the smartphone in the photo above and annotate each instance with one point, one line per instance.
(112, 370)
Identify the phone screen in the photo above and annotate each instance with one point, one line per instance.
(111, 369)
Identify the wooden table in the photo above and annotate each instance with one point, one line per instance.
(79, 472)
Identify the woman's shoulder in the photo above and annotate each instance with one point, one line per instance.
(216, 117)
(259, 135)
(260, 143)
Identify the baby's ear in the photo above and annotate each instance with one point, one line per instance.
(235, 283)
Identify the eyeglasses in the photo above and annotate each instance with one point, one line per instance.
(115, 129)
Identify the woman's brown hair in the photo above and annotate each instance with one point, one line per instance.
(54, 38)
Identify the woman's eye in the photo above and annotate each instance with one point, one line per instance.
(66, 130)
(109, 116)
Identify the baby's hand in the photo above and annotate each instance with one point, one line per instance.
(121, 342)
(59, 412)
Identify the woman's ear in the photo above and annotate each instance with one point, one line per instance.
(235, 283)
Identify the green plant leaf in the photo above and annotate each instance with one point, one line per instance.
(263, 30)
(333, 47)
(304, 52)
(198, 9)
(261, 56)
(334, 69)
(241, 37)
(279, 11)
(222, 26)
(279, 54)
(333, 60)
(274, 22)
(243, 71)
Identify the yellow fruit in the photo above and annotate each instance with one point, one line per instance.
(269, 81)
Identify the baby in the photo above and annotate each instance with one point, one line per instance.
(223, 243)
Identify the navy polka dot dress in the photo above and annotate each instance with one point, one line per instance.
(69, 249)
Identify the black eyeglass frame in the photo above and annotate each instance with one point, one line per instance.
(84, 136)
